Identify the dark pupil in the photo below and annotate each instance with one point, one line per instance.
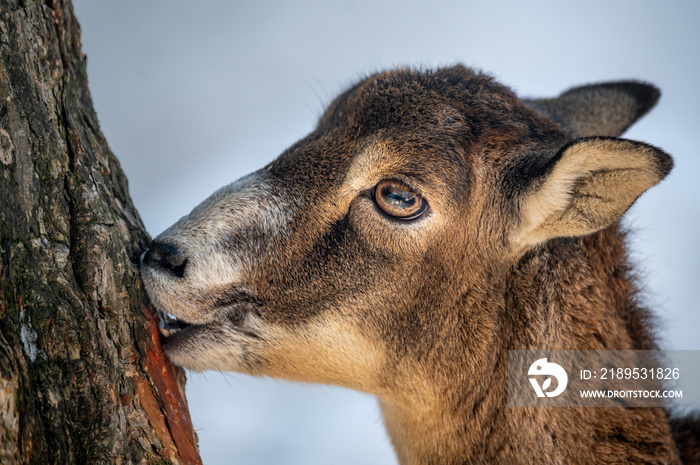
(397, 197)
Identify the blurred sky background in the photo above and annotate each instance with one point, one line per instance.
(192, 95)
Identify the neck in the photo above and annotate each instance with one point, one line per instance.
(571, 294)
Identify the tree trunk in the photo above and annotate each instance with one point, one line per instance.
(82, 376)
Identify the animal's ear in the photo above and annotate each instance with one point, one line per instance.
(588, 185)
(600, 109)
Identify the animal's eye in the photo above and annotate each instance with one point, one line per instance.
(398, 200)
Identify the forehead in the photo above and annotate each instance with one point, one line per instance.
(411, 99)
(422, 120)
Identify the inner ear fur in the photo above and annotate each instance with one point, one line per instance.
(591, 183)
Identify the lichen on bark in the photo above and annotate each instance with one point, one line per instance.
(82, 377)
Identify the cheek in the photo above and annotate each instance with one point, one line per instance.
(404, 240)
(329, 349)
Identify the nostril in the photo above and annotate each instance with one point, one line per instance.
(179, 270)
(165, 256)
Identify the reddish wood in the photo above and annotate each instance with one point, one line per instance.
(166, 379)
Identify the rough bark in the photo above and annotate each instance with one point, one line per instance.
(82, 376)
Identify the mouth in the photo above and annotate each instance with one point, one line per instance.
(235, 310)
(170, 325)
(232, 315)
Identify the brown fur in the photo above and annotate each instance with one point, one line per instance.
(687, 434)
(295, 272)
